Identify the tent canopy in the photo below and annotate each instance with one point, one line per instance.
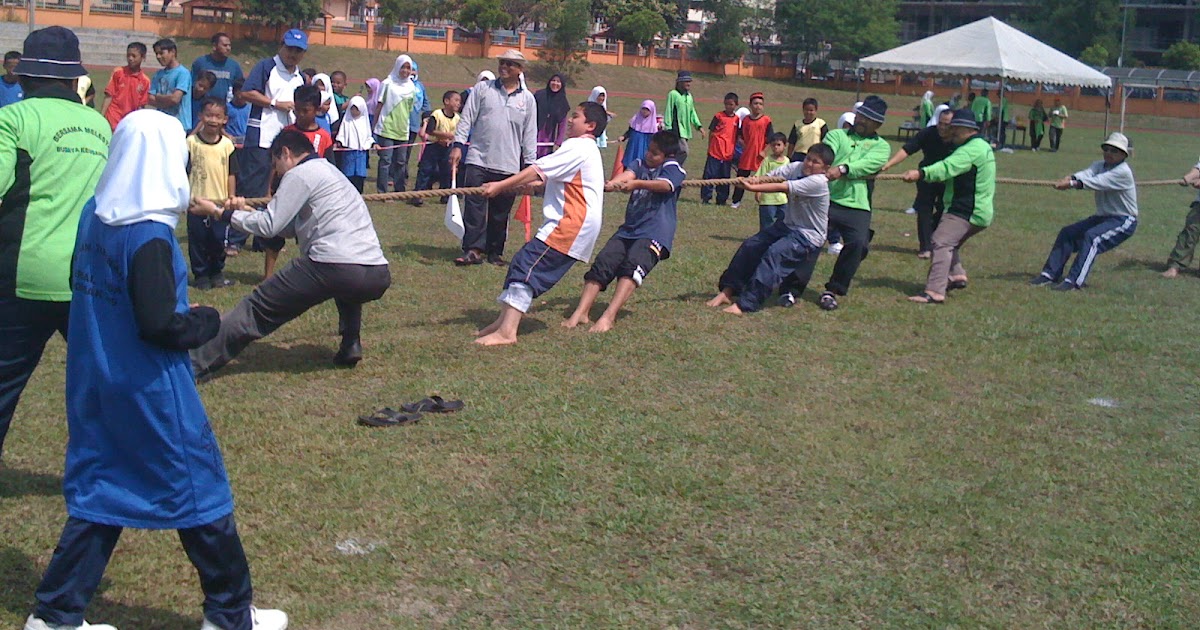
(987, 48)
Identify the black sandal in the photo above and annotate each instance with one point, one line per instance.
(827, 301)
(928, 299)
(433, 404)
(470, 258)
(388, 417)
(954, 285)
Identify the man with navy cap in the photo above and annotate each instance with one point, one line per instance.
(268, 89)
(52, 151)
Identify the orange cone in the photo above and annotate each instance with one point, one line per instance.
(618, 163)
(524, 215)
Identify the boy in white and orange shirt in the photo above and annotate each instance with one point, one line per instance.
(574, 205)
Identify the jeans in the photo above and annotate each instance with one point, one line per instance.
(434, 167)
(393, 163)
(25, 327)
(1088, 238)
(84, 549)
(768, 214)
(1055, 137)
(206, 245)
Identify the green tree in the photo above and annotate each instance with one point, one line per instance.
(281, 12)
(641, 28)
(613, 12)
(722, 39)
(1182, 56)
(570, 23)
(401, 11)
(1095, 55)
(850, 29)
(1073, 25)
(485, 15)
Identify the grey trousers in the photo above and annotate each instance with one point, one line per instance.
(299, 286)
(948, 238)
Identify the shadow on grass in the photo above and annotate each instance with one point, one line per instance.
(731, 239)
(894, 249)
(245, 279)
(1014, 276)
(22, 576)
(478, 318)
(905, 287)
(22, 483)
(1138, 264)
(428, 253)
(688, 297)
(266, 357)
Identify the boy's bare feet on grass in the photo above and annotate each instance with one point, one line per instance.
(722, 299)
(489, 329)
(733, 309)
(496, 339)
(1171, 272)
(575, 320)
(602, 325)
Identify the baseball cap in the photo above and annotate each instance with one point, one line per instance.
(296, 38)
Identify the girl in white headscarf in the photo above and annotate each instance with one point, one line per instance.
(937, 111)
(354, 137)
(600, 95)
(131, 390)
(328, 113)
(397, 97)
(926, 113)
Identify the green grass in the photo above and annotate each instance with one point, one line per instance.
(883, 465)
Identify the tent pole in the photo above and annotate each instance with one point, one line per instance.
(1107, 108)
(1000, 119)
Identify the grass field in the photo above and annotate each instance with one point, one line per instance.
(883, 465)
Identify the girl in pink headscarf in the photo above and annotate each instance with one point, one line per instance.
(373, 86)
(642, 126)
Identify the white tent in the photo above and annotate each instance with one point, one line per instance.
(987, 48)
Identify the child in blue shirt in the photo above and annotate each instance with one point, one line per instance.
(646, 236)
(202, 85)
(10, 84)
(238, 114)
(171, 86)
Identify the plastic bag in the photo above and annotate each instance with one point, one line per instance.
(454, 217)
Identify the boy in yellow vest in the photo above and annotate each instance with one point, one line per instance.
(806, 132)
(439, 132)
(211, 164)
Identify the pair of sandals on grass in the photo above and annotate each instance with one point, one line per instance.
(410, 413)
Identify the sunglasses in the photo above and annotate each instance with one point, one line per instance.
(510, 63)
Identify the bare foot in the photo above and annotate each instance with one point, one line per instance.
(575, 321)
(720, 300)
(732, 309)
(601, 325)
(1171, 272)
(489, 329)
(496, 339)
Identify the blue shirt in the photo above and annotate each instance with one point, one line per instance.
(168, 81)
(652, 215)
(421, 108)
(10, 92)
(227, 72)
(273, 80)
(236, 126)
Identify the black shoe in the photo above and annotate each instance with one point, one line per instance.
(787, 300)
(349, 354)
(418, 202)
(1066, 285)
(203, 284)
(1041, 280)
(219, 281)
(495, 259)
(828, 301)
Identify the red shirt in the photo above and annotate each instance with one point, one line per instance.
(723, 136)
(754, 140)
(129, 91)
(321, 140)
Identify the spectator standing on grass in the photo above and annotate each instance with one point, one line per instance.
(1185, 244)
(500, 118)
(201, 88)
(270, 89)
(226, 69)
(355, 140)
(722, 138)
(211, 170)
(552, 110)
(755, 130)
(129, 88)
(680, 115)
(52, 151)
(982, 108)
(1058, 122)
(170, 87)
(399, 95)
(925, 114)
(238, 114)
(807, 131)
(1037, 124)
(422, 110)
(1115, 220)
(642, 127)
(10, 85)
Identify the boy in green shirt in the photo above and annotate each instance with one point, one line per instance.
(982, 108)
(771, 205)
(680, 115)
(972, 167)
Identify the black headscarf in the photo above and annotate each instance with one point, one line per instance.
(552, 107)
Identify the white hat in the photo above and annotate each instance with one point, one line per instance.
(513, 55)
(1118, 141)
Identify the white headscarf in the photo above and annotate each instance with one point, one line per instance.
(928, 97)
(741, 113)
(848, 117)
(394, 86)
(521, 78)
(486, 75)
(146, 175)
(937, 111)
(394, 75)
(355, 132)
(596, 92)
(327, 95)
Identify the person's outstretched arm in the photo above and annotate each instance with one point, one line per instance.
(152, 291)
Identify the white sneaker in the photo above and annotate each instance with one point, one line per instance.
(34, 623)
(910, 211)
(262, 618)
(735, 205)
(835, 248)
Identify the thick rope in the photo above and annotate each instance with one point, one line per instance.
(691, 183)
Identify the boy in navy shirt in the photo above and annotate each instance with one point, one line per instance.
(10, 85)
(238, 114)
(646, 236)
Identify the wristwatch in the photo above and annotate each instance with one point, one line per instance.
(845, 169)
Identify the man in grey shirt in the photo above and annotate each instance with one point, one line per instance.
(340, 257)
(500, 119)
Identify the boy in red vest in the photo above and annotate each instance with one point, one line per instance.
(756, 128)
(721, 141)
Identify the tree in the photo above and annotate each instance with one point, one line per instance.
(1095, 55)
(566, 48)
(1073, 25)
(281, 12)
(485, 15)
(1182, 56)
(402, 11)
(851, 29)
(613, 12)
(641, 28)
(722, 41)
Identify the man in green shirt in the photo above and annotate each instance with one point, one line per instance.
(1058, 121)
(858, 153)
(680, 115)
(982, 108)
(972, 167)
(52, 151)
